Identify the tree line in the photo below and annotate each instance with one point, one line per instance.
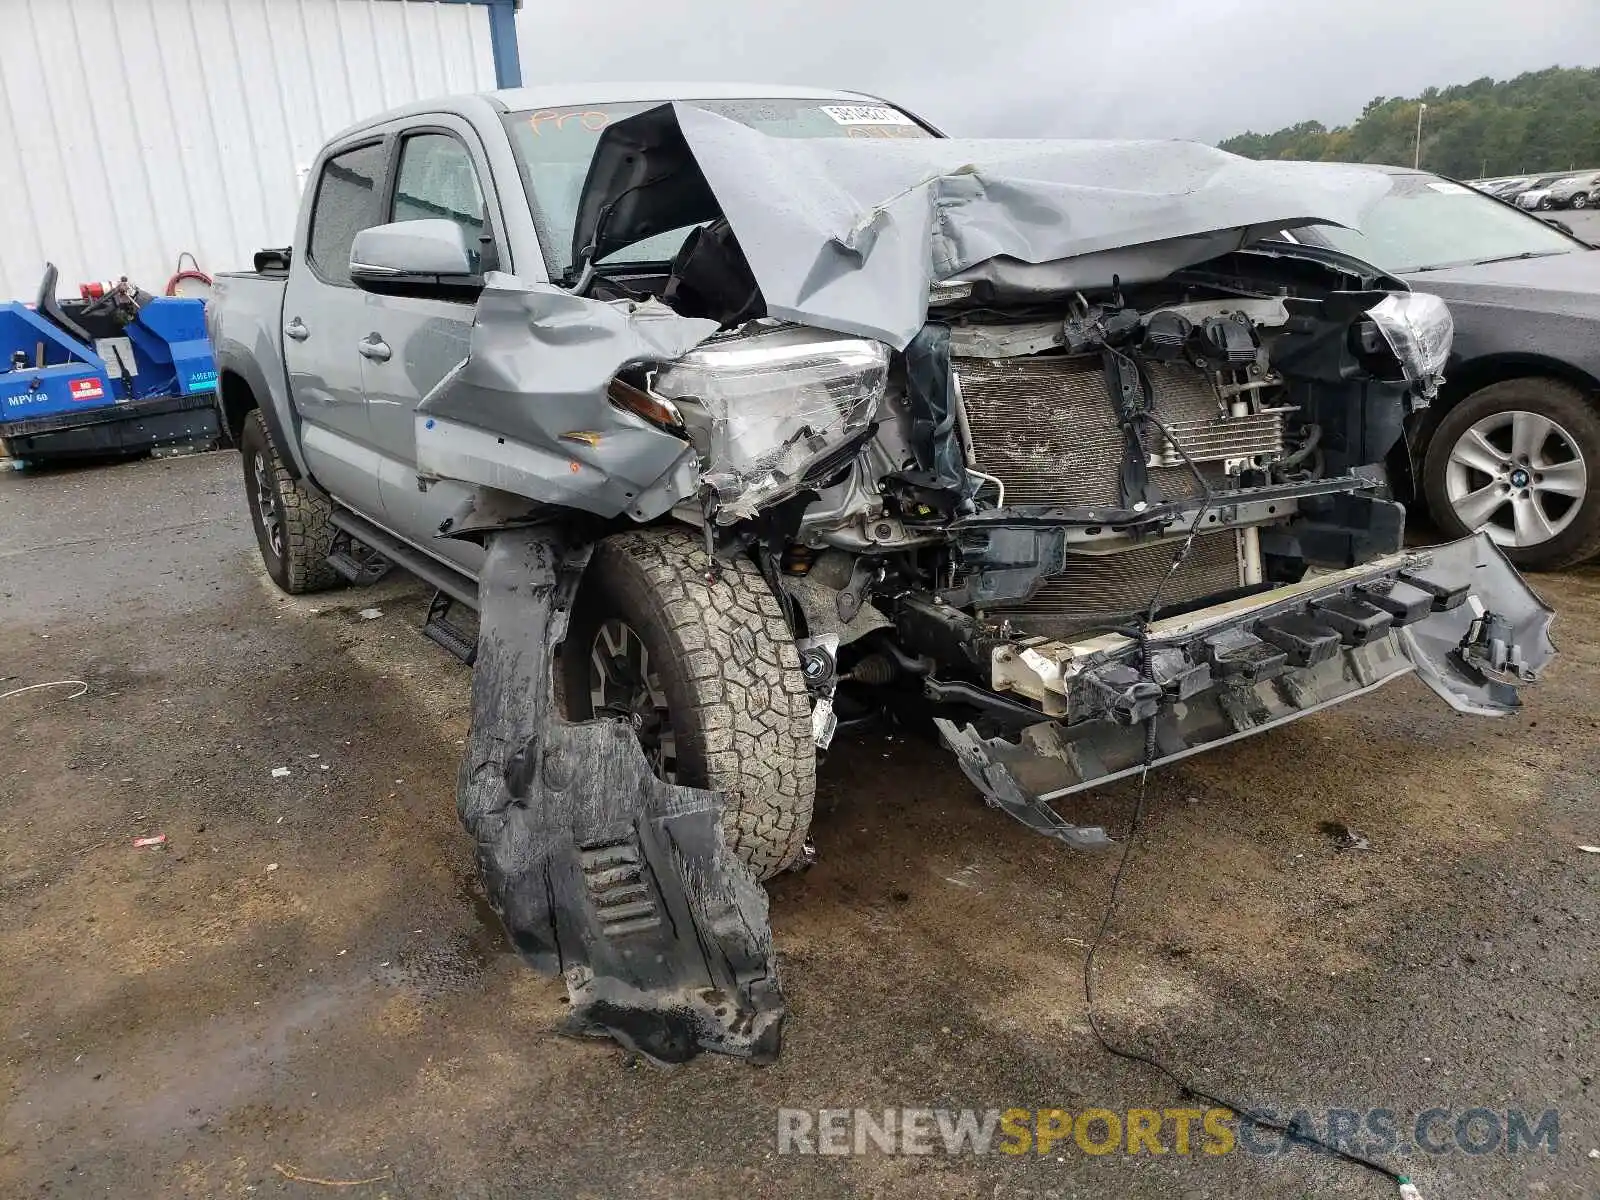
(1542, 121)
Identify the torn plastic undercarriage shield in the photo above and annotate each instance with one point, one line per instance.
(601, 872)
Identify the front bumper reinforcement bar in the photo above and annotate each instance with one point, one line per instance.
(1458, 615)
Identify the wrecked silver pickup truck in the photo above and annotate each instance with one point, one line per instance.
(743, 418)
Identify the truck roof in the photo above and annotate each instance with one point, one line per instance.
(622, 93)
(555, 95)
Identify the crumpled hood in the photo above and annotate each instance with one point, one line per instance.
(849, 234)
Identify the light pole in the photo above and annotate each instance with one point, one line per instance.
(1416, 159)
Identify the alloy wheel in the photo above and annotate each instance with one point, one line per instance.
(1517, 475)
(622, 685)
(266, 498)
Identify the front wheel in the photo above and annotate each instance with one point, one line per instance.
(707, 673)
(1517, 460)
(1581, 200)
(1546, 204)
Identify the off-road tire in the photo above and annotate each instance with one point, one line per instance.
(1562, 403)
(728, 667)
(305, 516)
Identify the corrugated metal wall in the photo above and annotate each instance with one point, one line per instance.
(141, 128)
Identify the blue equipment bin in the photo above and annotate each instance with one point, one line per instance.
(71, 379)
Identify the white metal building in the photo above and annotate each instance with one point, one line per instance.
(140, 129)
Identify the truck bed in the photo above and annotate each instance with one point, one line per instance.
(245, 320)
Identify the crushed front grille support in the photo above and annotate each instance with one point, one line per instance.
(1242, 667)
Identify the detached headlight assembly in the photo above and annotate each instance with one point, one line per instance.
(766, 409)
(1419, 329)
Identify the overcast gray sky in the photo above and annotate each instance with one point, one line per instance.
(1114, 68)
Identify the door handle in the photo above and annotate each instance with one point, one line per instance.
(374, 347)
(297, 330)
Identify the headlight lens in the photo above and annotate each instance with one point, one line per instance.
(1419, 329)
(771, 406)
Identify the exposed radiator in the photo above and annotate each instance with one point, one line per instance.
(1109, 587)
(1044, 427)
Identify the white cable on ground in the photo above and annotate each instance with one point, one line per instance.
(77, 683)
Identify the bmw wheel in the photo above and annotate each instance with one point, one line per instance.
(1581, 200)
(1521, 461)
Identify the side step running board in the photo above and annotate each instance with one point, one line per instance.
(357, 562)
(440, 630)
(451, 582)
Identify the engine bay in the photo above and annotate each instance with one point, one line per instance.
(1036, 471)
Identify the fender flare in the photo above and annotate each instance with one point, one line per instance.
(247, 389)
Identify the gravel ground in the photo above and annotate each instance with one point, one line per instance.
(305, 981)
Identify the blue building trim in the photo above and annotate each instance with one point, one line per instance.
(502, 39)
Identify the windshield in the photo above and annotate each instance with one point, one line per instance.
(554, 145)
(1426, 223)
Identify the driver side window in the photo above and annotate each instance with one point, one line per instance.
(437, 179)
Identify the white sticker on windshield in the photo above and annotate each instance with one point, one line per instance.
(866, 114)
(1448, 188)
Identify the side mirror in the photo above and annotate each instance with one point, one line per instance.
(427, 257)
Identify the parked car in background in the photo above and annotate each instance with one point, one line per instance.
(1512, 442)
(1575, 191)
(1502, 187)
(1536, 196)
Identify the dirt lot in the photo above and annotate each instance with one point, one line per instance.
(305, 977)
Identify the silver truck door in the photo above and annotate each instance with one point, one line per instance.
(324, 317)
(414, 341)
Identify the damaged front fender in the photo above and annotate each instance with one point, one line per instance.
(602, 873)
(528, 413)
